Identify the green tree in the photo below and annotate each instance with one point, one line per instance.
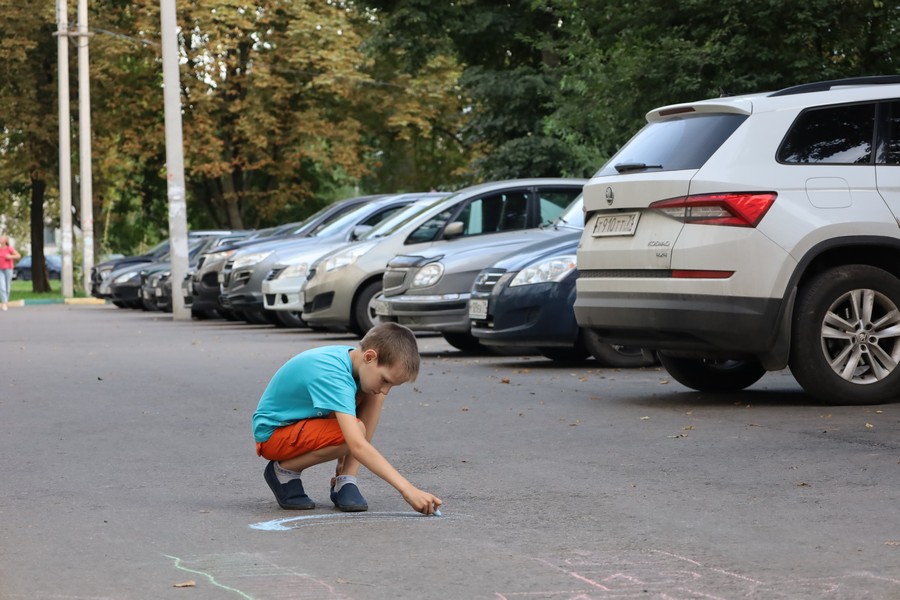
(28, 123)
(619, 61)
(509, 81)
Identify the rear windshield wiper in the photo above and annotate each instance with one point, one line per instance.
(626, 167)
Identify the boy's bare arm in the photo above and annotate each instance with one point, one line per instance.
(363, 451)
(368, 410)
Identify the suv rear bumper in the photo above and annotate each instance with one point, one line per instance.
(729, 327)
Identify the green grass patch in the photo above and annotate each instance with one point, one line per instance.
(21, 290)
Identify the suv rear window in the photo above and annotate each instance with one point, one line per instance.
(839, 135)
(675, 144)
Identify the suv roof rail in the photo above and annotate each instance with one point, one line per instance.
(824, 86)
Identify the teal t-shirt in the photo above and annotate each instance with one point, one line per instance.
(315, 383)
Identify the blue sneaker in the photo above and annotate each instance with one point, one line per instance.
(348, 498)
(289, 495)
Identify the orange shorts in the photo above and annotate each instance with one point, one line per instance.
(301, 437)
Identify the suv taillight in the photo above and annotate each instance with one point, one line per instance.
(735, 209)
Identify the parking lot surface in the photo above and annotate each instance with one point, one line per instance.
(129, 472)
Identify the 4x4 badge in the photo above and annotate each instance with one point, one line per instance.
(610, 196)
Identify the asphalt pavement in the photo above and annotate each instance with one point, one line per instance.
(129, 473)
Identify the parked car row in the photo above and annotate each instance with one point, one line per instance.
(412, 258)
(729, 237)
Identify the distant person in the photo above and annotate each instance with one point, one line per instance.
(324, 404)
(8, 257)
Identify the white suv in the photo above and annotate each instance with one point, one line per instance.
(746, 234)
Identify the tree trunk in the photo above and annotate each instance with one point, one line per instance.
(40, 279)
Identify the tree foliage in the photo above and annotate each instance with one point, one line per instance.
(289, 104)
(28, 123)
(618, 62)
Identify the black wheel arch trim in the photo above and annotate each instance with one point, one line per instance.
(777, 357)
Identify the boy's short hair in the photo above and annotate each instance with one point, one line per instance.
(395, 345)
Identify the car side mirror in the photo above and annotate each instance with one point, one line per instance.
(454, 229)
(359, 231)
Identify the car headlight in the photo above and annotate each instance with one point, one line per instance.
(346, 258)
(545, 271)
(298, 270)
(124, 277)
(248, 260)
(217, 257)
(428, 275)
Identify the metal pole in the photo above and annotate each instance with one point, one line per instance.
(174, 157)
(65, 170)
(84, 152)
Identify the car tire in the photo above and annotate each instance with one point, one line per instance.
(561, 354)
(464, 341)
(614, 355)
(845, 347)
(202, 315)
(364, 317)
(708, 375)
(256, 317)
(289, 318)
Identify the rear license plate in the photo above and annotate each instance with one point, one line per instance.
(478, 309)
(618, 224)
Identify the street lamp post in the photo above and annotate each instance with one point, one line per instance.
(174, 158)
(65, 170)
(84, 148)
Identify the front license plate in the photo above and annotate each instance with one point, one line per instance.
(221, 277)
(382, 308)
(478, 309)
(618, 224)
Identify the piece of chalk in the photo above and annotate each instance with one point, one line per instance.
(437, 513)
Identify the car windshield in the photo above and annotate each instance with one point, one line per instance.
(345, 220)
(194, 248)
(573, 216)
(674, 144)
(159, 250)
(305, 226)
(400, 218)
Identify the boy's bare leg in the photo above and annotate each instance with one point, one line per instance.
(316, 457)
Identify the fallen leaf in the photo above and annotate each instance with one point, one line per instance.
(892, 543)
(465, 408)
(869, 426)
(802, 484)
(688, 428)
(190, 583)
(504, 380)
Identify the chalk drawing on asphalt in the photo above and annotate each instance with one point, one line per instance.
(289, 523)
(253, 576)
(660, 575)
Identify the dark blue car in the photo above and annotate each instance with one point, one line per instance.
(527, 299)
(22, 270)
